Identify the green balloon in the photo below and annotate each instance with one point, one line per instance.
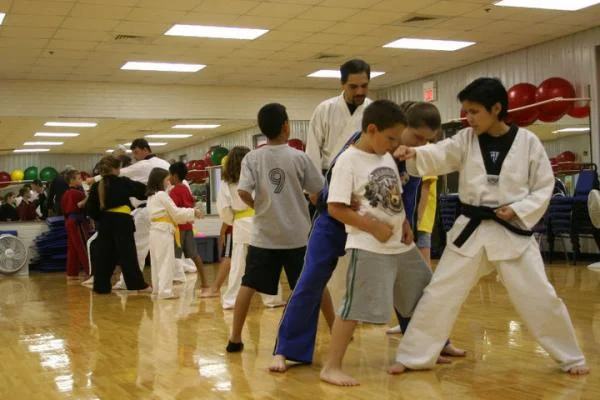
(48, 174)
(31, 173)
(217, 155)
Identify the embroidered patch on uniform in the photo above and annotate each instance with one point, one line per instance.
(383, 189)
(494, 155)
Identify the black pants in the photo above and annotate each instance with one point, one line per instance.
(116, 247)
(263, 268)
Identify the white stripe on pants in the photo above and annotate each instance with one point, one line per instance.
(238, 267)
(162, 258)
(529, 290)
(141, 219)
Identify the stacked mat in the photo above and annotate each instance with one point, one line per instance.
(52, 247)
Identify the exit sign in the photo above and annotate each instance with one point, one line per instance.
(429, 91)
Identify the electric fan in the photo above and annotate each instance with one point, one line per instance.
(13, 254)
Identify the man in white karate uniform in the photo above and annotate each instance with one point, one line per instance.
(505, 185)
(336, 119)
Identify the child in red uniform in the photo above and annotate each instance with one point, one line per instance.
(26, 209)
(76, 224)
(182, 197)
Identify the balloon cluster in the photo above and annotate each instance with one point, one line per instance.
(525, 94)
(197, 171)
(29, 174)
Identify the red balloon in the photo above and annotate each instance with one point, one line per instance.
(464, 121)
(549, 117)
(566, 156)
(296, 144)
(190, 165)
(207, 158)
(520, 95)
(579, 112)
(551, 88)
(4, 179)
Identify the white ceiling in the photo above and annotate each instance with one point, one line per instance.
(108, 134)
(75, 39)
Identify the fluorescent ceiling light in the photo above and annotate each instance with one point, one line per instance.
(564, 130)
(42, 143)
(150, 144)
(30, 150)
(196, 126)
(111, 150)
(215, 32)
(2, 15)
(162, 67)
(428, 44)
(563, 5)
(72, 124)
(56, 134)
(334, 73)
(169, 136)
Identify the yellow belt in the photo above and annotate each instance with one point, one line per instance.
(169, 220)
(120, 210)
(249, 212)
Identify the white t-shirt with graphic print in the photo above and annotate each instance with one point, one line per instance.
(375, 181)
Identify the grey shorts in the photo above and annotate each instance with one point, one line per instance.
(377, 282)
(423, 240)
(188, 245)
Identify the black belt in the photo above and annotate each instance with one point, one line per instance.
(476, 214)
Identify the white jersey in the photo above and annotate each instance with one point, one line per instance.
(330, 128)
(525, 183)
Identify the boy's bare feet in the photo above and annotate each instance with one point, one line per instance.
(278, 364)
(397, 369)
(579, 370)
(453, 351)
(205, 293)
(338, 377)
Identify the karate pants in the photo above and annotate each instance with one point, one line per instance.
(78, 232)
(162, 257)
(298, 326)
(529, 290)
(238, 267)
(90, 244)
(141, 219)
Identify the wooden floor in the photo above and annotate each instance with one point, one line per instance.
(60, 341)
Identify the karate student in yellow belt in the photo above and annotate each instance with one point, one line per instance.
(233, 211)
(164, 217)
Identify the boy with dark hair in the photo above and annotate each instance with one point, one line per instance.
(278, 175)
(182, 197)
(498, 210)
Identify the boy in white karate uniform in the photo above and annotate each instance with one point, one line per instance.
(505, 185)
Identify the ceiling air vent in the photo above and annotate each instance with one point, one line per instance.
(129, 38)
(327, 56)
(416, 20)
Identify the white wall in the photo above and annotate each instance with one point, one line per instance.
(83, 162)
(240, 138)
(131, 101)
(572, 57)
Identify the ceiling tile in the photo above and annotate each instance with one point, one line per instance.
(178, 5)
(251, 21)
(238, 7)
(155, 15)
(99, 11)
(57, 44)
(26, 33)
(93, 24)
(448, 8)
(278, 10)
(141, 28)
(305, 25)
(41, 7)
(78, 34)
(32, 20)
(349, 3)
(328, 13)
(404, 6)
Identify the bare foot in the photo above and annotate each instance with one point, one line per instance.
(397, 369)
(579, 370)
(443, 360)
(452, 351)
(209, 293)
(278, 364)
(338, 377)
